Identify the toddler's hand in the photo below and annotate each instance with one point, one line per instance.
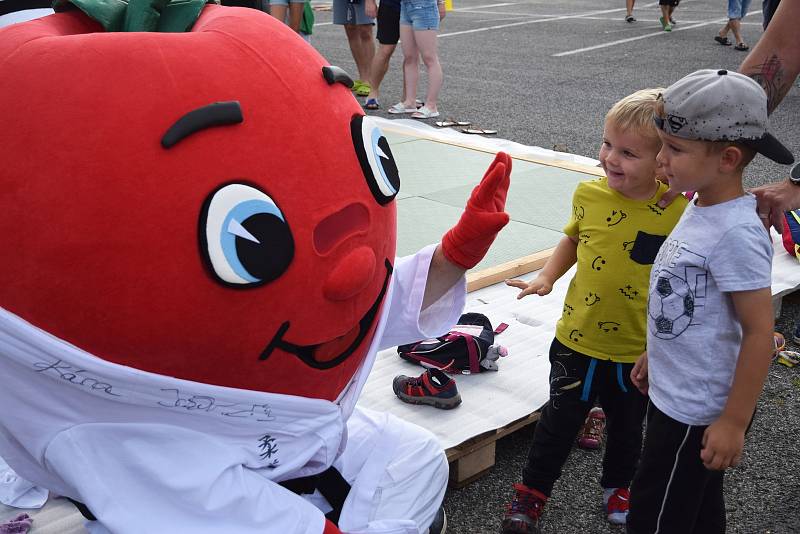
(639, 374)
(539, 286)
(723, 442)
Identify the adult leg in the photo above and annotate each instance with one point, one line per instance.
(665, 16)
(723, 33)
(625, 408)
(278, 11)
(410, 64)
(359, 37)
(427, 42)
(629, 7)
(380, 65)
(295, 15)
(736, 28)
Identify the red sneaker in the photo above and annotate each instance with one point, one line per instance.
(617, 506)
(524, 510)
(591, 436)
(432, 387)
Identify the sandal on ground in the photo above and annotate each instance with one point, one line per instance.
(724, 41)
(451, 122)
(479, 131)
(424, 113)
(372, 103)
(399, 108)
(630, 18)
(741, 47)
(361, 88)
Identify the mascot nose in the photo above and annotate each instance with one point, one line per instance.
(353, 273)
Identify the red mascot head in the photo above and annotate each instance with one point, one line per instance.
(210, 205)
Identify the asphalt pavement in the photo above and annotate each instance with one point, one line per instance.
(544, 73)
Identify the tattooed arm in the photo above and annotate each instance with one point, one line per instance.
(775, 61)
(775, 64)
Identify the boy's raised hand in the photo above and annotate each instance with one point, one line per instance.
(639, 374)
(723, 442)
(468, 241)
(539, 286)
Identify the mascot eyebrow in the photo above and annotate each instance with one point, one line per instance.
(216, 114)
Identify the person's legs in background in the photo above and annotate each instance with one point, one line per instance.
(359, 36)
(410, 64)
(278, 8)
(427, 43)
(388, 36)
(358, 28)
(629, 11)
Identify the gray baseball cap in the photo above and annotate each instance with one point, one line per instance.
(718, 105)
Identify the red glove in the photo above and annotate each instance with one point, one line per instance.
(468, 241)
(330, 528)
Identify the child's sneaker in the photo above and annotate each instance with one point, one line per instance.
(591, 436)
(431, 387)
(617, 501)
(524, 510)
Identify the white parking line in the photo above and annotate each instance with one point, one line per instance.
(639, 37)
(548, 19)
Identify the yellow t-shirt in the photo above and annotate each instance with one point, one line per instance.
(605, 310)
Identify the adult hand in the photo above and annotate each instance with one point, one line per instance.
(668, 196)
(371, 8)
(775, 198)
(469, 240)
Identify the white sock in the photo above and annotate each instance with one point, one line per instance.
(607, 493)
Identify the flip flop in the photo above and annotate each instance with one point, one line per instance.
(478, 131)
(372, 103)
(451, 122)
(741, 47)
(724, 41)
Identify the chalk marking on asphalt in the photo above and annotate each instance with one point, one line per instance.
(548, 19)
(645, 36)
(637, 38)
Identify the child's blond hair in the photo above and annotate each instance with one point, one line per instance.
(635, 112)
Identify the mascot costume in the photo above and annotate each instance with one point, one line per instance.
(198, 228)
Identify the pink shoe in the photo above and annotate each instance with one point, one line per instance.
(591, 436)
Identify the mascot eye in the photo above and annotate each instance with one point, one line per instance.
(244, 236)
(376, 159)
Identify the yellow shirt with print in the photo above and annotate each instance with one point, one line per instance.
(605, 310)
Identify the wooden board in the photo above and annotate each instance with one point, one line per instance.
(473, 458)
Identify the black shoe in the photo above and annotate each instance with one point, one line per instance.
(439, 525)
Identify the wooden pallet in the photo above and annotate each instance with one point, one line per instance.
(473, 458)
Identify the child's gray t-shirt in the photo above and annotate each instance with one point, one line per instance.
(693, 335)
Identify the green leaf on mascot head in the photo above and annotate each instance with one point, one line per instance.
(139, 15)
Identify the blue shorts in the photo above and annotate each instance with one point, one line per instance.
(348, 13)
(266, 3)
(420, 14)
(737, 9)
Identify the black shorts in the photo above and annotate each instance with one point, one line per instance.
(388, 24)
(673, 3)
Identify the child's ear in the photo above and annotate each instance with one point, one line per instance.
(730, 158)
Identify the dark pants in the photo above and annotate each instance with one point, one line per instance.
(673, 492)
(576, 381)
